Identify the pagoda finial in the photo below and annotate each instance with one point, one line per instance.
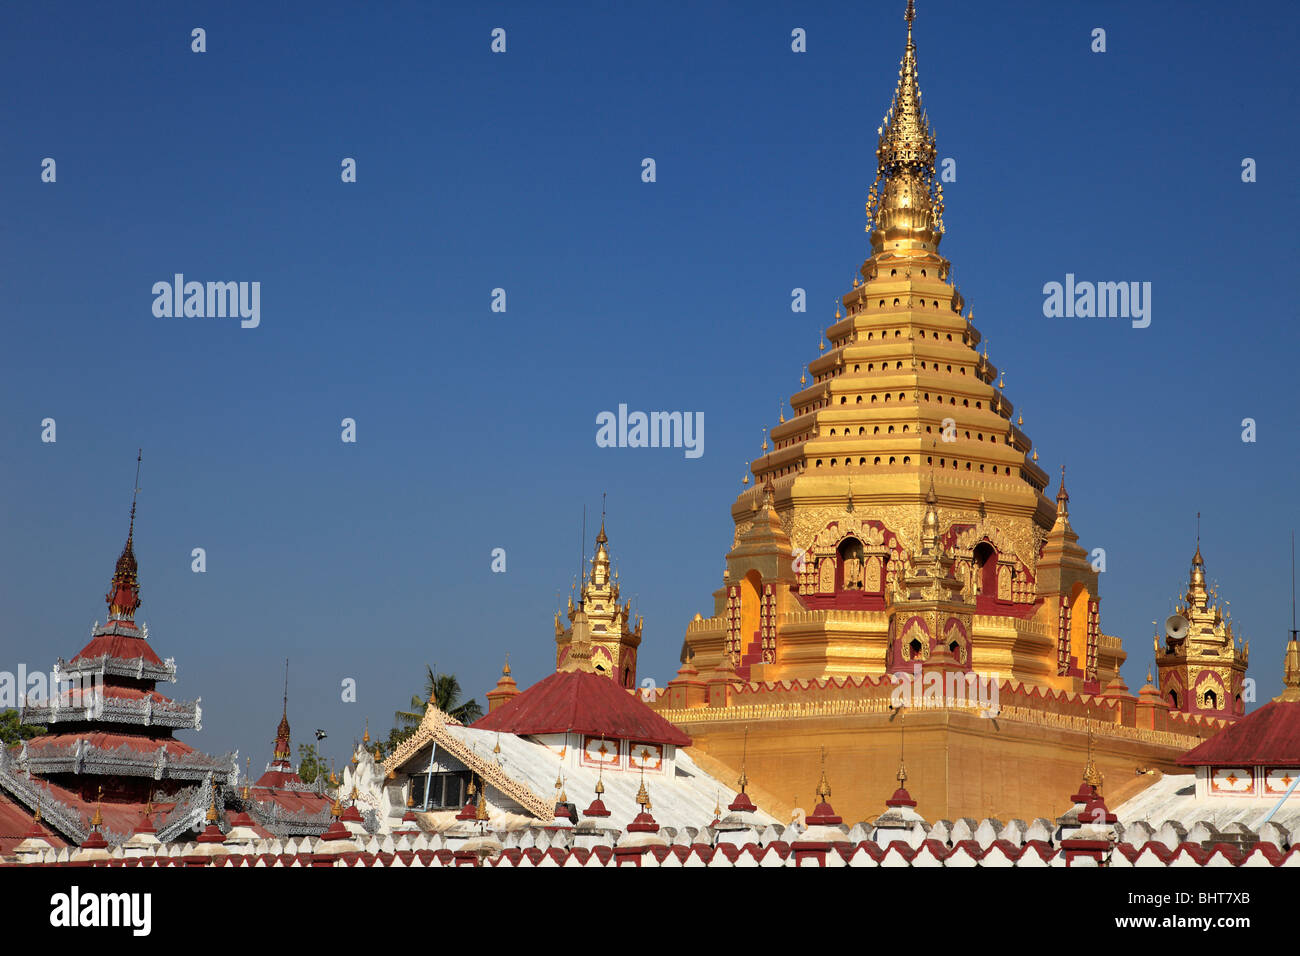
(902, 765)
(600, 537)
(123, 596)
(743, 782)
(365, 737)
(905, 201)
(823, 786)
(1091, 775)
(643, 795)
(98, 819)
(282, 752)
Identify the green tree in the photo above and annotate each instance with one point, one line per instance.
(12, 732)
(311, 764)
(444, 692)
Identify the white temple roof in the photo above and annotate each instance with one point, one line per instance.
(1173, 797)
(686, 798)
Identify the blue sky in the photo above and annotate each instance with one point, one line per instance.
(522, 171)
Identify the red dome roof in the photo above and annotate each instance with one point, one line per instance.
(582, 702)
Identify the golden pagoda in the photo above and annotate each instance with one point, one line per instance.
(897, 527)
(1202, 665)
(600, 635)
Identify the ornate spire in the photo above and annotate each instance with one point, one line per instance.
(823, 786)
(1291, 672)
(643, 795)
(1063, 499)
(905, 202)
(124, 592)
(282, 752)
(930, 523)
(97, 820)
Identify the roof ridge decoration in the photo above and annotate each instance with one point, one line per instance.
(433, 729)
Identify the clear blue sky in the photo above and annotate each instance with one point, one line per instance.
(477, 429)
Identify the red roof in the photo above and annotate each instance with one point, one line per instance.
(583, 702)
(1269, 736)
(119, 646)
(107, 741)
(290, 801)
(119, 818)
(16, 823)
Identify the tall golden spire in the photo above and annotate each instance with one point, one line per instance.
(905, 203)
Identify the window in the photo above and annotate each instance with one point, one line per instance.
(440, 791)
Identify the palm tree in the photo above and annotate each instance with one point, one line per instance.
(444, 692)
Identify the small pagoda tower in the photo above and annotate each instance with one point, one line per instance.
(111, 731)
(600, 624)
(1202, 665)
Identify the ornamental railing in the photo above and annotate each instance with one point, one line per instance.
(285, 823)
(58, 815)
(136, 667)
(145, 711)
(85, 757)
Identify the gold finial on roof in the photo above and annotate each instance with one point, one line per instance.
(337, 809)
(823, 786)
(905, 199)
(98, 818)
(643, 795)
(1091, 775)
(902, 741)
(743, 782)
(212, 808)
(365, 737)
(480, 808)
